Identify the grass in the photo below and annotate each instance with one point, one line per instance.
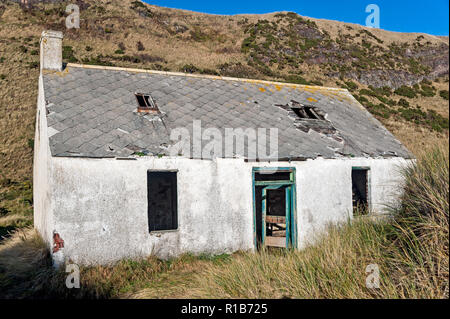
(411, 251)
(16, 211)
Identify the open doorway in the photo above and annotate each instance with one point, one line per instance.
(360, 191)
(274, 209)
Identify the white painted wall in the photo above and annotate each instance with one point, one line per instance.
(324, 191)
(43, 217)
(100, 205)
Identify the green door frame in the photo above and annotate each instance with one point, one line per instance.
(291, 203)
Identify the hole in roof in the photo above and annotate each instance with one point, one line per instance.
(146, 103)
(307, 112)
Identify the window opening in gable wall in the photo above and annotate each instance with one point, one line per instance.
(360, 191)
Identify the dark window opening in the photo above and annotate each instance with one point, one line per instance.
(146, 103)
(360, 191)
(307, 112)
(162, 200)
(273, 176)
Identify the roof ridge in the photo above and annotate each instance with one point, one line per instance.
(204, 76)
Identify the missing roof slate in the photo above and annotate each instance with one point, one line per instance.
(306, 111)
(307, 117)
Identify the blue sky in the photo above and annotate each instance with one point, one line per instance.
(428, 16)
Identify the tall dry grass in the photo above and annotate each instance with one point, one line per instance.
(411, 251)
(422, 224)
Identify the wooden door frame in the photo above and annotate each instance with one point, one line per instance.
(291, 184)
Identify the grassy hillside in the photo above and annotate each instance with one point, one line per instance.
(410, 251)
(400, 78)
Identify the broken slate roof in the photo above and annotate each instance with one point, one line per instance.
(91, 112)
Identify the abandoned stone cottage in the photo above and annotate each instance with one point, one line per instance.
(108, 185)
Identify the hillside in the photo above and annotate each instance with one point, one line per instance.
(400, 78)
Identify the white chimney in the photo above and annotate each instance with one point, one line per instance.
(51, 50)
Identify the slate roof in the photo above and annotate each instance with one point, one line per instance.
(91, 112)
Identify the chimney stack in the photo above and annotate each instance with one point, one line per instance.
(51, 50)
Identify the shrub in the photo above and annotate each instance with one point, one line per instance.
(209, 72)
(427, 90)
(247, 44)
(3, 211)
(128, 58)
(316, 82)
(33, 65)
(361, 99)
(23, 49)
(140, 46)
(351, 85)
(385, 90)
(444, 94)
(297, 79)
(379, 109)
(198, 35)
(189, 68)
(403, 102)
(68, 54)
(406, 91)
(237, 70)
(367, 92)
(437, 121)
(430, 118)
(137, 4)
(98, 60)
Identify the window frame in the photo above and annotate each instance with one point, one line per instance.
(369, 188)
(150, 104)
(175, 171)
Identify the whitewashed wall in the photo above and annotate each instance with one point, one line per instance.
(99, 206)
(41, 172)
